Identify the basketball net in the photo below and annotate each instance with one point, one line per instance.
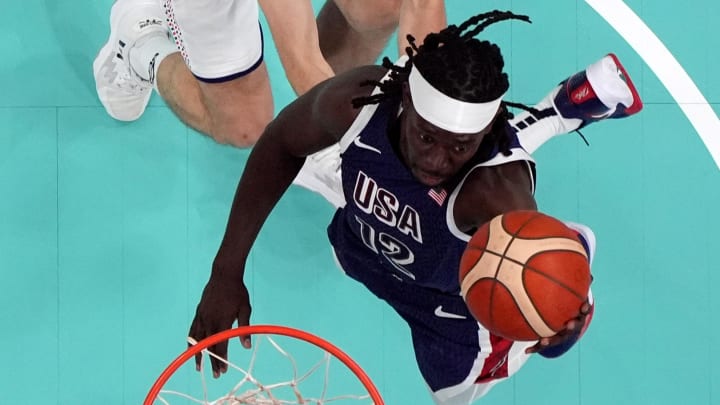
(258, 379)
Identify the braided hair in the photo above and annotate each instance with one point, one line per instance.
(460, 66)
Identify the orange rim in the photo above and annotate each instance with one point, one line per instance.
(264, 330)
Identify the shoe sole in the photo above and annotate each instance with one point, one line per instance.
(637, 104)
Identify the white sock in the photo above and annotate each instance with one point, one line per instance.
(147, 54)
(534, 135)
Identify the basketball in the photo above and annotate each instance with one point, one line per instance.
(524, 275)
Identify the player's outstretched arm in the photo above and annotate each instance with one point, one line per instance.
(311, 123)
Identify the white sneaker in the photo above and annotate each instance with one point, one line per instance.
(321, 174)
(602, 90)
(122, 92)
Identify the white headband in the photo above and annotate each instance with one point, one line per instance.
(446, 112)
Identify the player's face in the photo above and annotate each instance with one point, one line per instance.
(434, 154)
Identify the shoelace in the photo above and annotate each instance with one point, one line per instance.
(124, 79)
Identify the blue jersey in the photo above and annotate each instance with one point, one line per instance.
(392, 223)
(399, 238)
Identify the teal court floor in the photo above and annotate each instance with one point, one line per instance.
(108, 229)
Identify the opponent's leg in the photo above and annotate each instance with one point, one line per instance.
(354, 33)
(602, 90)
(233, 112)
(225, 93)
(221, 42)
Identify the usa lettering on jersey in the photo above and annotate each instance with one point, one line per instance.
(386, 207)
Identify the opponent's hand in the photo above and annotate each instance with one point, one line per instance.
(222, 304)
(572, 330)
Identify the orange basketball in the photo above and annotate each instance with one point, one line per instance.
(524, 275)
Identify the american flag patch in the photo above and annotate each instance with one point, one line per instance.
(438, 196)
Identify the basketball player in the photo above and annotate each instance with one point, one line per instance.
(428, 156)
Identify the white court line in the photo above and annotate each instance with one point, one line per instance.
(666, 68)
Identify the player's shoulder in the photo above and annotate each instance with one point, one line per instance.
(515, 173)
(492, 190)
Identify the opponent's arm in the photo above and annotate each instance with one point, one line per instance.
(419, 18)
(293, 27)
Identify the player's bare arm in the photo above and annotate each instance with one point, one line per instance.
(314, 121)
(311, 123)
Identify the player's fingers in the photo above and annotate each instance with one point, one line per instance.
(219, 366)
(246, 341)
(196, 334)
(571, 325)
(198, 361)
(243, 319)
(541, 344)
(585, 308)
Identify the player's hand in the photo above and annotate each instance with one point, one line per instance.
(572, 330)
(222, 304)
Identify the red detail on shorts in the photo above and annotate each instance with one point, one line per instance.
(496, 364)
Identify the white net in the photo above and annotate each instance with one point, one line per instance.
(267, 374)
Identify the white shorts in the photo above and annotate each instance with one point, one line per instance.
(219, 39)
